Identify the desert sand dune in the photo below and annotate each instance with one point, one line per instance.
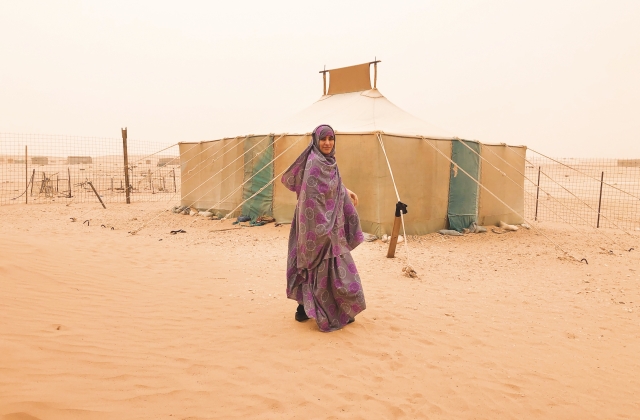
(99, 324)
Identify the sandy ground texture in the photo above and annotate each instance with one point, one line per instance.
(99, 324)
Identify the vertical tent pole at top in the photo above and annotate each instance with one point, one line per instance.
(600, 199)
(375, 72)
(324, 81)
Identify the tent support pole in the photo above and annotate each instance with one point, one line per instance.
(401, 209)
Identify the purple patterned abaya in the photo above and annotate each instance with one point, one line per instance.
(321, 274)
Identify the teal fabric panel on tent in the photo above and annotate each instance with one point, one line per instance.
(258, 172)
(463, 191)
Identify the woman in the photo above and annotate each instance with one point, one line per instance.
(321, 275)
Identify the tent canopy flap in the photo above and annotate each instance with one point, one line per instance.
(349, 79)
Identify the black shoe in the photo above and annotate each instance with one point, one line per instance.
(352, 320)
(301, 315)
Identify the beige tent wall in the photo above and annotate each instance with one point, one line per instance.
(424, 187)
(490, 210)
(190, 162)
(357, 156)
(422, 178)
(421, 174)
(284, 201)
(205, 184)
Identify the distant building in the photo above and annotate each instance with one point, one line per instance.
(77, 160)
(39, 160)
(629, 162)
(169, 161)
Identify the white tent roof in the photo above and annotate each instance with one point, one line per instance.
(359, 112)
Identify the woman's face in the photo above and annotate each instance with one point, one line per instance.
(326, 144)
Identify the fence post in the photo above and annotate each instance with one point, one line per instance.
(600, 199)
(537, 195)
(69, 175)
(126, 164)
(33, 175)
(175, 188)
(26, 175)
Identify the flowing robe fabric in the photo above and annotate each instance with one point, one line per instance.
(321, 274)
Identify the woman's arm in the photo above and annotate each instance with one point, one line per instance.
(353, 196)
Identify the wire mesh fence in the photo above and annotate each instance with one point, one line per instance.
(40, 168)
(601, 193)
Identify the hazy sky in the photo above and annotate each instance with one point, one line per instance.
(562, 77)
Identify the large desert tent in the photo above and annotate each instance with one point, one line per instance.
(383, 152)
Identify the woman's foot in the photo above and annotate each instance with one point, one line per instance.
(301, 315)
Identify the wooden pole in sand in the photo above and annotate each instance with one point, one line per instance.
(401, 209)
(126, 165)
(26, 176)
(175, 188)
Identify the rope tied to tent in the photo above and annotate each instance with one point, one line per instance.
(401, 209)
(524, 190)
(571, 193)
(502, 202)
(133, 232)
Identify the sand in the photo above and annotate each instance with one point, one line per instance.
(99, 324)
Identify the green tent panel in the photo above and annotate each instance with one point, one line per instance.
(258, 172)
(463, 190)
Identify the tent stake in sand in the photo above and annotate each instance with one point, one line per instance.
(397, 222)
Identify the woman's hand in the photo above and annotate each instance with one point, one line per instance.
(352, 196)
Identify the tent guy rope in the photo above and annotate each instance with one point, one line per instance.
(408, 268)
(531, 194)
(501, 201)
